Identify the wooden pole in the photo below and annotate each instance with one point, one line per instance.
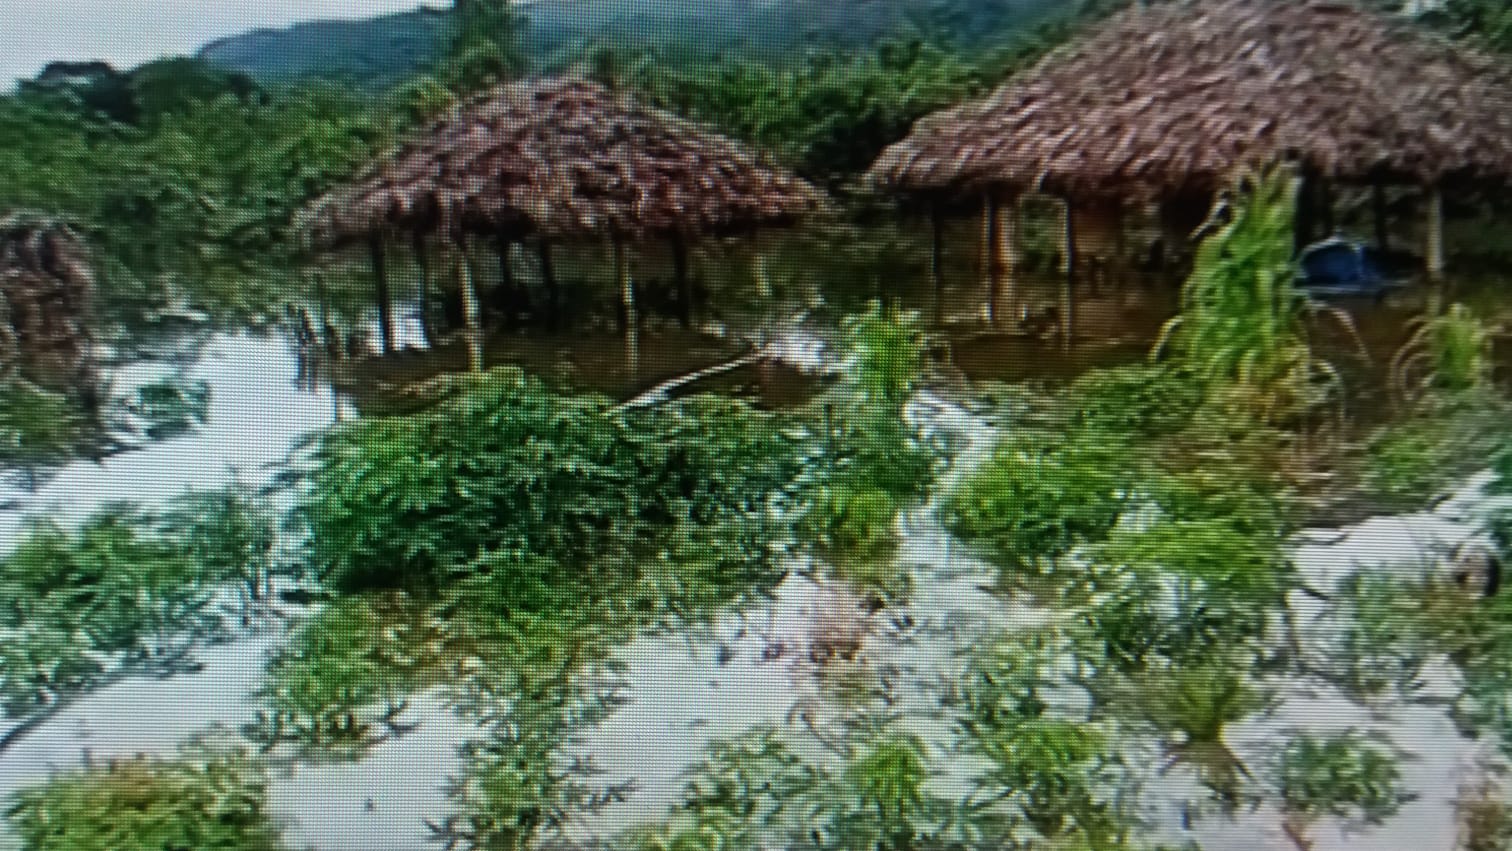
(627, 303)
(1006, 247)
(422, 260)
(937, 261)
(682, 280)
(1326, 207)
(471, 314)
(509, 291)
(380, 280)
(1378, 208)
(992, 238)
(1433, 250)
(1068, 285)
(548, 278)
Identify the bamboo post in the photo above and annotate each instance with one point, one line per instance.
(992, 237)
(380, 280)
(937, 261)
(626, 284)
(471, 314)
(1378, 209)
(548, 278)
(509, 293)
(422, 260)
(1433, 250)
(1068, 284)
(681, 279)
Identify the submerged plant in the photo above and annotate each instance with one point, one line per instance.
(1448, 353)
(1341, 775)
(1241, 327)
(212, 801)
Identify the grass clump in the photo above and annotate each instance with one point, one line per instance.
(212, 801)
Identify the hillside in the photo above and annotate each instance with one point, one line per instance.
(382, 49)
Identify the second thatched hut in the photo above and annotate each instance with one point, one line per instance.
(1161, 103)
(46, 301)
(560, 159)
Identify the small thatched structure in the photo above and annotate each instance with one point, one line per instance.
(46, 293)
(1168, 100)
(1162, 103)
(562, 159)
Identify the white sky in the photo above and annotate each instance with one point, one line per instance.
(127, 33)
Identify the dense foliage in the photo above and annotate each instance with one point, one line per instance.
(208, 801)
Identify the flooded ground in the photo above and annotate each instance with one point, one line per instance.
(681, 691)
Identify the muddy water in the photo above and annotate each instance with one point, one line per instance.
(682, 691)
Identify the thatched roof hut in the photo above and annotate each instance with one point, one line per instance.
(46, 293)
(562, 158)
(1168, 100)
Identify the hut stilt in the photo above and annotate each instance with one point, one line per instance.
(1433, 250)
(549, 281)
(1068, 283)
(380, 281)
(1326, 208)
(682, 280)
(510, 297)
(630, 315)
(471, 312)
(422, 262)
(937, 261)
(1378, 211)
(992, 239)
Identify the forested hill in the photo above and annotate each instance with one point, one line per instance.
(385, 49)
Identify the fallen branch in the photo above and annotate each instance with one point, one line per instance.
(660, 392)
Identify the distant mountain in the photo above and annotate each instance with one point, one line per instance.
(381, 50)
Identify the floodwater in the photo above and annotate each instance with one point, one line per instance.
(681, 691)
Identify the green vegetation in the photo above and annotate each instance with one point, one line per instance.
(204, 800)
(1341, 775)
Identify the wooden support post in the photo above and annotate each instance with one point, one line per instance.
(631, 318)
(549, 280)
(1433, 250)
(1326, 208)
(1306, 212)
(937, 261)
(992, 238)
(1068, 285)
(385, 305)
(471, 313)
(422, 260)
(1378, 209)
(682, 280)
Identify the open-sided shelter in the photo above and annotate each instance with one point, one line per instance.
(562, 159)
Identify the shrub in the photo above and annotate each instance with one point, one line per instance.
(1142, 400)
(1040, 495)
(207, 802)
(1340, 775)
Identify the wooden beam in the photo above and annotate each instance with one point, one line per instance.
(471, 313)
(381, 292)
(630, 315)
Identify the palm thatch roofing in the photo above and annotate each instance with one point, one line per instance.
(563, 158)
(1168, 100)
(46, 291)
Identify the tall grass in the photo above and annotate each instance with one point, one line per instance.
(1242, 326)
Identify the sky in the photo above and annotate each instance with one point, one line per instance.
(127, 33)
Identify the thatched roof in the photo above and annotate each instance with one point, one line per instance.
(562, 157)
(1169, 99)
(46, 290)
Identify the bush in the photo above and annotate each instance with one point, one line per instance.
(1041, 495)
(206, 802)
(119, 588)
(1140, 400)
(1342, 775)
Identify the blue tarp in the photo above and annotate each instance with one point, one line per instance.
(1340, 267)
